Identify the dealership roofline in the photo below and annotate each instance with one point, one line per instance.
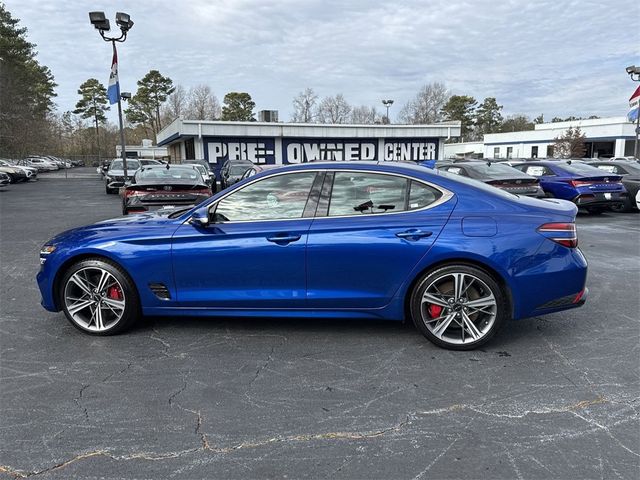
(181, 128)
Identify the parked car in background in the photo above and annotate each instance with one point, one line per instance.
(232, 170)
(4, 179)
(60, 162)
(104, 166)
(630, 171)
(164, 187)
(42, 164)
(148, 162)
(497, 175)
(16, 174)
(255, 169)
(205, 173)
(114, 178)
(30, 172)
(384, 240)
(583, 184)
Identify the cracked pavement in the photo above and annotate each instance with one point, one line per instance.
(549, 397)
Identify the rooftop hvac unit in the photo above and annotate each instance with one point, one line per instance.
(268, 116)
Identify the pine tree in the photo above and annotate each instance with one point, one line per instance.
(93, 104)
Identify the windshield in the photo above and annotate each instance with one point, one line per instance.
(131, 165)
(581, 169)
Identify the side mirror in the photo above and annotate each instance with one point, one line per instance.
(200, 218)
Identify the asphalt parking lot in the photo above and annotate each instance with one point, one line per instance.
(552, 397)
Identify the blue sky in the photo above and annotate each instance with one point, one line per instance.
(554, 57)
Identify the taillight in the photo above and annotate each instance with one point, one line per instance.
(133, 193)
(579, 183)
(563, 233)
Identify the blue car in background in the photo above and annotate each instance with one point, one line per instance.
(578, 182)
(387, 240)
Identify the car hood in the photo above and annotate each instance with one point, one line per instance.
(118, 228)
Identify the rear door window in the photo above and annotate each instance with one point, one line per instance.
(608, 168)
(536, 170)
(363, 193)
(421, 195)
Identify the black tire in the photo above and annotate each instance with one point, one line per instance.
(595, 210)
(110, 191)
(131, 311)
(625, 207)
(486, 284)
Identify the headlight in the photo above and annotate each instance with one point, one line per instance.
(44, 251)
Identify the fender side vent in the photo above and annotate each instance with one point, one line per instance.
(160, 290)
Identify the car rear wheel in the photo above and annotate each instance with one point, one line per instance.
(627, 206)
(98, 297)
(458, 307)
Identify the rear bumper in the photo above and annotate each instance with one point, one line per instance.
(566, 302)
(604, 199)
(136, 205)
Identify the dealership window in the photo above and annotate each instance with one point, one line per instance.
(189, 149)
(356, 193)
(509, 152)
(550, 151)
(534, 152)
(496, 152)
(273, 198)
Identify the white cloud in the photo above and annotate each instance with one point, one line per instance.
(549, 56)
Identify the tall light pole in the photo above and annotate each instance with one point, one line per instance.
(101, 23)
(634, 73)
(387, 104)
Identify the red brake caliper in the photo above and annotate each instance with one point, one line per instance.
(114, 293)
(434, 310)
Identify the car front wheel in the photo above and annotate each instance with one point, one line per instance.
(98, 297)
(458, 307)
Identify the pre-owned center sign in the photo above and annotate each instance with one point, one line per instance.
(300, 150)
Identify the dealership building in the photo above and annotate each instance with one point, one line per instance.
(604, 137)
(292, 143)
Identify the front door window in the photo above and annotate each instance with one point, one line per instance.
(280, 197)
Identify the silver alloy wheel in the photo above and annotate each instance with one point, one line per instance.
(94, 299)
(458, 308)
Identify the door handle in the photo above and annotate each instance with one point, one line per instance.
(414, 234)
(283, 239)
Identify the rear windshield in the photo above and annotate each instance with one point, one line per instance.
(239, 169)
(493, 169)
(169, 174)
(477, 184)
(131, 165)
(581, 169)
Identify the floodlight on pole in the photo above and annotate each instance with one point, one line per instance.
(387, 104)
(634, 73)
(101, 23)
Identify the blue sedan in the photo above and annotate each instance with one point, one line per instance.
(385, 240)
(573, 180)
